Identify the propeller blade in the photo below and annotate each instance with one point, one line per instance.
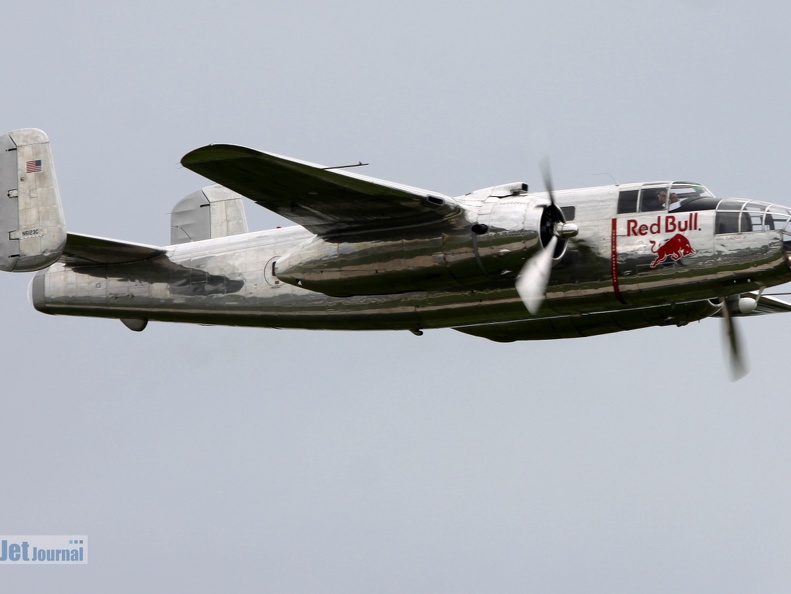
(534, 276)
(546, 173)
(738, 367)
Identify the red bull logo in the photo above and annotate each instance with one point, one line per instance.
(674, 248)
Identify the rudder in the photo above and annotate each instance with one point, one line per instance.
(32, 227)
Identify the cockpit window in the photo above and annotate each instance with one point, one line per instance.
(651, 199)
(684, 193)
(685, 196)
(687, 191)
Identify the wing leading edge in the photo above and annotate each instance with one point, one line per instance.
(325, 201)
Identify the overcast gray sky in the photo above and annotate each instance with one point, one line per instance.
(241, 460)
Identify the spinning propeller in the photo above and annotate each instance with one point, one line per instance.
(738, 368)
(531, 284)
(731, 305)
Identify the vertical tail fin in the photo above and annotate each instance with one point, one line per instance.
(211, 212)
(32, 228)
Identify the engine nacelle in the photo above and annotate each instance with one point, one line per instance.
(486, 247)
(367, 268)
(32, 227)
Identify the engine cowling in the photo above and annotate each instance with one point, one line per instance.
(488, 246)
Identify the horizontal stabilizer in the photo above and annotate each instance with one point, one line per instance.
(88, 250)
(326, 201)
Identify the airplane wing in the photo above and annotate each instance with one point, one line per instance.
(325, 201)
(766, 305)
(90, 250)
(591, 324)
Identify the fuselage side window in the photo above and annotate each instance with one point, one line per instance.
(627, 201)
(776, 219)
(729, 222)
(569, 212)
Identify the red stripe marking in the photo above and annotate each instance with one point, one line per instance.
(614, 261)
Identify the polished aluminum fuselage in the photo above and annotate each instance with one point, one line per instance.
(410, 280)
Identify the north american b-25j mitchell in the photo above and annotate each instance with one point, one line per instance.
(503, 263)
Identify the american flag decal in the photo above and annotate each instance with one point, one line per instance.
(33, 166)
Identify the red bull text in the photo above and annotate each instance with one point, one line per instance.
(663, 224)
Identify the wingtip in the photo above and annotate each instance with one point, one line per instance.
(216, 152)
